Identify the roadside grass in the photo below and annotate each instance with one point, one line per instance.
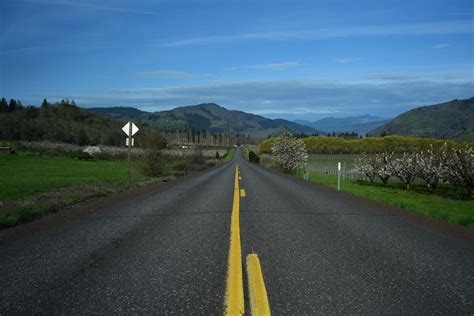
(245, 152)
(445, 205)
(229, 155)
(26, 174)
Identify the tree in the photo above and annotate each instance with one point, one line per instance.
(433, 165)
(45, 103)
(460, 168)
(3, 105)
(290, 153)
(13, 105)
(83, 138)
(407, 168)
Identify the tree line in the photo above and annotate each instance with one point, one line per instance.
(338, 145)
(64, 121)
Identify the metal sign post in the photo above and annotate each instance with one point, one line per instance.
(130, 129)
(339, 176)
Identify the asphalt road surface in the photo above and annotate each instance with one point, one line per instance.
(166, 252)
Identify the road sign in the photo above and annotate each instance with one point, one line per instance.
(126, 129)
(127, 141)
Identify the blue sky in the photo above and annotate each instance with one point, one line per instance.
(289, 59)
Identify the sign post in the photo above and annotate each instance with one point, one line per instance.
(130, 129)
(339, 176)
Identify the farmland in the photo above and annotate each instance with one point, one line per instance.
(447, 204)
(26, 174)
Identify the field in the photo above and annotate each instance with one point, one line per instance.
(447, 204)
(26, 174)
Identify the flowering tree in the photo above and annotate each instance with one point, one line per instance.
(460, 168)
(378, 165)
(433, 164)
(289, 153)
(407, 168)
(366, 165)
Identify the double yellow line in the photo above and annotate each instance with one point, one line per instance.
(234, 300)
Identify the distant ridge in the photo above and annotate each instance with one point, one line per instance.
(207, 116)
(359, 124)
(449, 120)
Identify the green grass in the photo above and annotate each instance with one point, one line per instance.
(322, 162)
(447, 204)
(23, 174)
(229, 155)
(245, 152)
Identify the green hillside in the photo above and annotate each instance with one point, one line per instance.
(450, 120)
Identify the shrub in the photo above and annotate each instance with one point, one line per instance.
(78, 154)
(253, 157)
(155, 164)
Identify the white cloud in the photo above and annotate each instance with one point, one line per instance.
(166, 74)
(413, 29)
(276, 66)
(441, 45)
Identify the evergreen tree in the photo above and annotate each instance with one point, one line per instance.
(3, 105)
(45, 103)
(83, 138)
(12, 106)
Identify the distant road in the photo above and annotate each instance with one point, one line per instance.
(167, 251)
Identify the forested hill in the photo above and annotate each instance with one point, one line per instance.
(66, 122)
(450, 120)
(210, 117)
(58, 122)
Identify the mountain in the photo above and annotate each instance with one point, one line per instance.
(119, 113)
(359, 124)
(450, 120)
(208, 116)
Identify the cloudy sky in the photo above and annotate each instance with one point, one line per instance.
(289, 59)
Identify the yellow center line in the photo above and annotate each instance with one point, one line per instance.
(242, 192)
(258, 293)
(234, 301)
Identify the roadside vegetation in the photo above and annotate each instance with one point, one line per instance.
(368, 145)
(229, 155)
(42, 178)
(435, 182)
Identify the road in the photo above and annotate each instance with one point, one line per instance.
(167, 252)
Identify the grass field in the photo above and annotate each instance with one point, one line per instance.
(447, 204)
(26, 174)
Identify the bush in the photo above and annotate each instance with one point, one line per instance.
(155, 162)
(253, 157)
(79, 154)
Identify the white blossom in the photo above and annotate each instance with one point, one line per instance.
(289, 152)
